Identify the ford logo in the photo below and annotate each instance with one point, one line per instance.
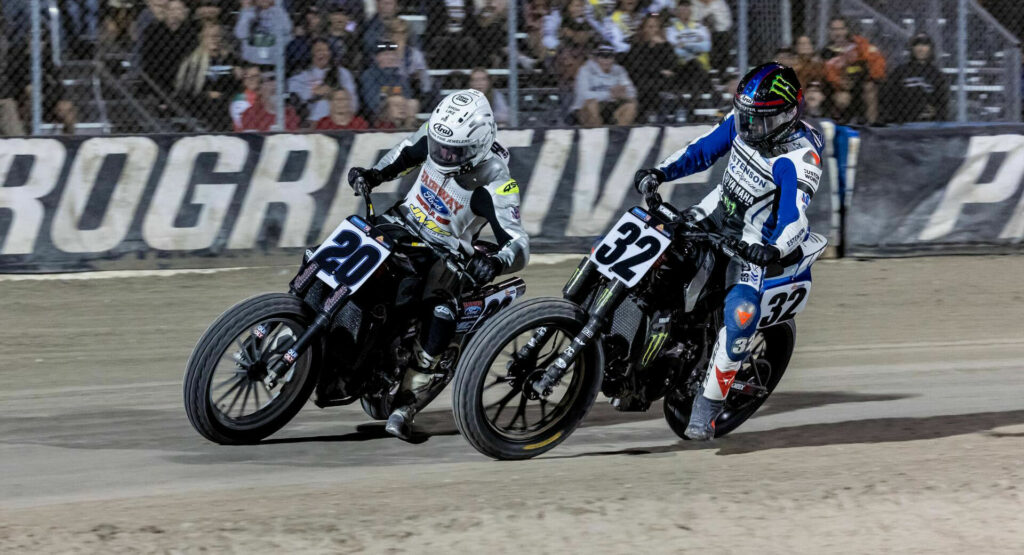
(461, 100)
(474, 310)
(443, 130)
(433, 201)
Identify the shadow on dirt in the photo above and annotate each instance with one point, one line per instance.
(878, 430)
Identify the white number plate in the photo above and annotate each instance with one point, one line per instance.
(631, 248)
(783, 302)
(351, 254)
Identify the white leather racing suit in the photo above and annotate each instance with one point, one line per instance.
(450, 211)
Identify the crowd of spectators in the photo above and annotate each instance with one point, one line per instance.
(350, 65)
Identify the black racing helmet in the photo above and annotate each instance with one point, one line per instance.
(768, 103)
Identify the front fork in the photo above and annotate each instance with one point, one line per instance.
(576, 290)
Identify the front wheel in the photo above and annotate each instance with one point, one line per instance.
(495, 407)
(759, 375)
(226, 398)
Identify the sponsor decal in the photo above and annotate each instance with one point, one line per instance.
(431, 201)
(812, 158)
(509, 188)
(724, 379)
(462, 99)
(428, 223)
(472, 309)
(443, 130)
(783, 88)
(445, 199)
(744, 314)
(515, 213)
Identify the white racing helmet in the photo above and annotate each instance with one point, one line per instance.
(461, 131)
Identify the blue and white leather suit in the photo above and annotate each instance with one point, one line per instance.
(763, 198)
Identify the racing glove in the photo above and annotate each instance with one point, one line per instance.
(647, 181)
(761, 255)
(371, 176)
(484, 267)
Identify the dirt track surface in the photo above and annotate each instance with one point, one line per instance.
(898, 428)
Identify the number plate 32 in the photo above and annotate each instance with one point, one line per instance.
(631, 248)
(350, 255)
(783, 302)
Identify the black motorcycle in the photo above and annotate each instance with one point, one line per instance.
(345, 328)
(638, 321)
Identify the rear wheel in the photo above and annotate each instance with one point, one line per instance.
(226, 399)
(759, 375)
(495, 407)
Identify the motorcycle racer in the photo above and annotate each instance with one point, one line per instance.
(773, 172)
(463, 184)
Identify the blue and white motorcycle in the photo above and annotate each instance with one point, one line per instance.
(638, 321)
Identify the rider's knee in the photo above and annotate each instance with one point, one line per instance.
(742, 310)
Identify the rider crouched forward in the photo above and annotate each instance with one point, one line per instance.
(463, 184)
(774, 169)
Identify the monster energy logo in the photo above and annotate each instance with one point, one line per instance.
(653, 346)
(782, 88)
(729, 205)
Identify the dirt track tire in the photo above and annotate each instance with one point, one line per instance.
(481, 352)
(217, 340)
(779, 342)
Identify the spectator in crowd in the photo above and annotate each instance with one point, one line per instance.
(206, 79)
(807, 64)
(691, 42)
(262, 115)
(853, 67)
(377, 28)
(248, 94)
(298, 52)
(264, 29)
(651, 64)
(166, 43)
(343, 114)
(412, 63)
(492, 34)
(209, 12)
(80, 24)
(384, 79)
(450, 32)
(314, 85)
(395, 113)
(604, 93)
(541, 25)
(480, 80)
(815, 100)
(11, 63)
(56, 104)
(717, 17)
(115, 36)
(154, 12)
(343, 35)
(620, 27)
(917, 90)
(576, 37)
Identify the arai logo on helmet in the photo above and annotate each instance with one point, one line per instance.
(443, 130)
(433, 201)
(461, 100)
(745, 100)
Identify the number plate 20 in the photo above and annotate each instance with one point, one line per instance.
(631, 248)
(351, 254)
(783, 302)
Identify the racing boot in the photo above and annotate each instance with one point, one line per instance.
(419, 387)
(702, 418)
(420, 384)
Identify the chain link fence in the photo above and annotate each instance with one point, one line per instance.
(150, 66)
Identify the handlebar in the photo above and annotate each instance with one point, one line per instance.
(362, 189)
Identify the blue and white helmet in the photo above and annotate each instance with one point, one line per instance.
(461, 131)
